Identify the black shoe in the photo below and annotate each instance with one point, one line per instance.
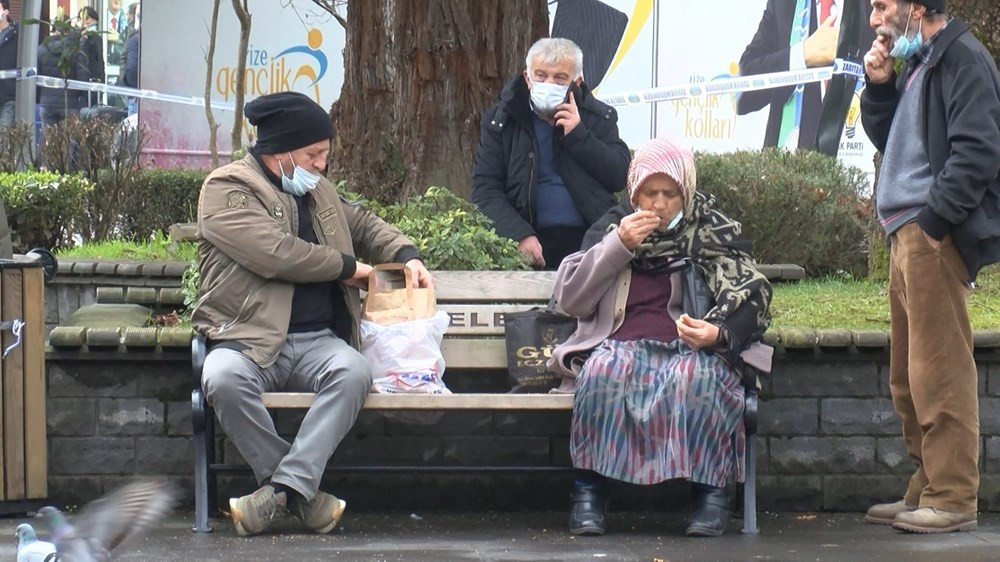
(711, 511)
(588, 505)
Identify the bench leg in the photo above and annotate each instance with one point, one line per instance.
(750, 485)
(201, 459)
(213, 496)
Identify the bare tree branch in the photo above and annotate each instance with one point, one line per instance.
(213, 127)
(332, 6)
(243, 14)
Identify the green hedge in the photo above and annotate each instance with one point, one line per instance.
(158, 199)
(44, 209)
(797, 207)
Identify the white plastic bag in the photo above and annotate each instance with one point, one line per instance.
(406, 357)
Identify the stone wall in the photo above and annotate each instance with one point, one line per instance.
(829, 440)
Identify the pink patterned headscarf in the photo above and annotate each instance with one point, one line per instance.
(663, 156)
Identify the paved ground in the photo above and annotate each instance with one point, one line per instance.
(542, 536)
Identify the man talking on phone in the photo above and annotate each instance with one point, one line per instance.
(549, 159)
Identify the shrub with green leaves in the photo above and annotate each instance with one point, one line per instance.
(160, 198)
(450, 232)
(44, 209)
(797, 207)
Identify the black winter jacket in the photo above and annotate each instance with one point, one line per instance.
(592, 160)
(960, 104)
(8, 61)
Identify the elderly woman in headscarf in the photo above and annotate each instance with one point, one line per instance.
(657, 390)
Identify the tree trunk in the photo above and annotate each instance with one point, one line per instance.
(213, 127)
(417, 78)
(243, 14)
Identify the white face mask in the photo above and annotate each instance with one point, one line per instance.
(546, 96)
(301, 182)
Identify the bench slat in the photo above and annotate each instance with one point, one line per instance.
(435, 401)
(493, 286)
(474, 353)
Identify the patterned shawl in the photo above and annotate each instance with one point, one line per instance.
(712, 240)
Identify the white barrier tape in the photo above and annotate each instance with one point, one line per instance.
(52, 82)
(735, 84)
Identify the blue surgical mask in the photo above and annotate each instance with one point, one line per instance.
(906, 47)
(676, 220)
(301, 182)
(546, 96)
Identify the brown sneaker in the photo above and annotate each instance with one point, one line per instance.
(885, 513)
(254, 513)
(934, 520)
(321, 514)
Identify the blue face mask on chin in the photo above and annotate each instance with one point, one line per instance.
(301, 182)
(906, 47)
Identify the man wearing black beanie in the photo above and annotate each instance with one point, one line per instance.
(937, 124)
(280, 305)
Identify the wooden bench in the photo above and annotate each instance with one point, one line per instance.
(476, 302)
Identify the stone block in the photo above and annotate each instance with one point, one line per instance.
(858, 493)
(71, 416)
(788, 416)
(73, 492)
(68, 299)
(532, 423)
(171, 296)
(105, 268)
(86, 379)
(110, 316)
(130, 416)
(763, 456)
(822, 455)
(891, 455)
(989, 416)
(110, 295)
(175, 269)
(179, 418)
(164, 455)
(51, 297)
(154, 269)
(141, 295)
(796, 378)
(859, 416)
(790, 493)
(91, 455)
(989, 492)
(175, 337)
(167, 382)
(496, 451)
(67, 337)
(390, 451)
(450, 423)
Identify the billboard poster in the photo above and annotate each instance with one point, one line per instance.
(294, 45)
(628, 45)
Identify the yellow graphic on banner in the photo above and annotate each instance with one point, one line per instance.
(640, 15)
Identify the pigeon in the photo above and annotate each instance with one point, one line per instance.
(103, 526)
(30, 549)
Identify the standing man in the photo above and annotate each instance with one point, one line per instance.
(8, 61)
(280, 306)
(793, 35)
(550, 159)
(937, 124)
(92, 44)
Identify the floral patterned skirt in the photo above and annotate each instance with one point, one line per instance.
(647, 411)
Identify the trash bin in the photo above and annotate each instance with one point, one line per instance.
(23, 455)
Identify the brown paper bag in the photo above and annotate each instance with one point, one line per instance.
(392, 298)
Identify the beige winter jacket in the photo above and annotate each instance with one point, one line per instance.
(250, 257)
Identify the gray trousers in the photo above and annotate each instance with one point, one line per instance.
(309, 362)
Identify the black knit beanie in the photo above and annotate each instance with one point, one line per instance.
(940, 6)
(287, 121)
